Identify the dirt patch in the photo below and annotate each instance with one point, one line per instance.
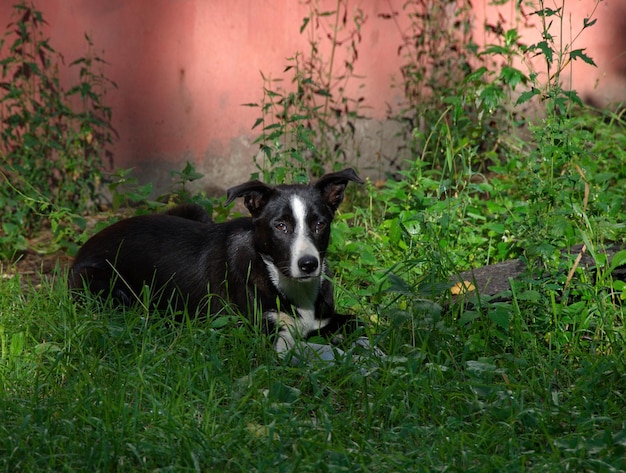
(33, 266)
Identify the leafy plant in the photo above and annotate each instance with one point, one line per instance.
(53, 141)
(458, 204)
(127, 193)
(309, 124)
(454, 112)
(557, 55)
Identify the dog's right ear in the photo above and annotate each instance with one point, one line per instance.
(255, 194)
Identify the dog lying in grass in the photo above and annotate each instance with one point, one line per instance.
(272, 263)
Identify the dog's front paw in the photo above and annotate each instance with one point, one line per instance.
(360, 351)
(305, 352)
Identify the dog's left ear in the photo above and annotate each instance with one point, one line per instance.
(333, 185)
(255, 194)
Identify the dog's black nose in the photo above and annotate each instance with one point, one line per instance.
(308, 264)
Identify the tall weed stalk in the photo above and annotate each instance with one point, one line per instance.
(309, 124)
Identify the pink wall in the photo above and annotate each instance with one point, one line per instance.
(184, 67)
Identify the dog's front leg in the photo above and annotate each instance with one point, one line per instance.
(302, 351)
(286, 330)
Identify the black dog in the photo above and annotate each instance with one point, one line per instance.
(272, 264)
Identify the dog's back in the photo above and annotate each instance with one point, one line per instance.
(190, 212)
(181, 260)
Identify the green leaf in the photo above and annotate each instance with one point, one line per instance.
(496, 49)
(220, 322)
(467, 317)
(189, 173)
(284, 393)
(573, 96)
(305, 22)
(512, 76)
(579, 54)
(368, 258)
(511, 37)
(546, 12)
(587, 22)
(491, 96)
(323, 92)
(273, 126)
(546, 50)
(398, 285)
(530, 295)
(619, 259)
(526, 96)
(481, 366)
(141, 193)
(257, 122)
(476, 76)
(30, 140)
(500, 315)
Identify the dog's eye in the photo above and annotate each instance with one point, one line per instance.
(281, 227)
(319, 226)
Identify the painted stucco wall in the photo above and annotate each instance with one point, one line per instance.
(185, 67)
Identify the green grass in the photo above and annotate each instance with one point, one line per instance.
(88, 388)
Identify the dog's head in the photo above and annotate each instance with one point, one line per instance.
(292, 222)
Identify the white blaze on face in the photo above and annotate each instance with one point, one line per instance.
(302, 245)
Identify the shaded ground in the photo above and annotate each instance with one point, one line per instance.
(494, 279)
(32, 266)
(490, 280)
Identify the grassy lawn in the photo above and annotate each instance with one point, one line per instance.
(86, 388)
(532, 379)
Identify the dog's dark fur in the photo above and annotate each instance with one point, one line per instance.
(265, 264)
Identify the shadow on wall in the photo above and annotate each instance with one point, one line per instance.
(374, 150)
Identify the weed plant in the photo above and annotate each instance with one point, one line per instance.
(53, 144)
(309, 124)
